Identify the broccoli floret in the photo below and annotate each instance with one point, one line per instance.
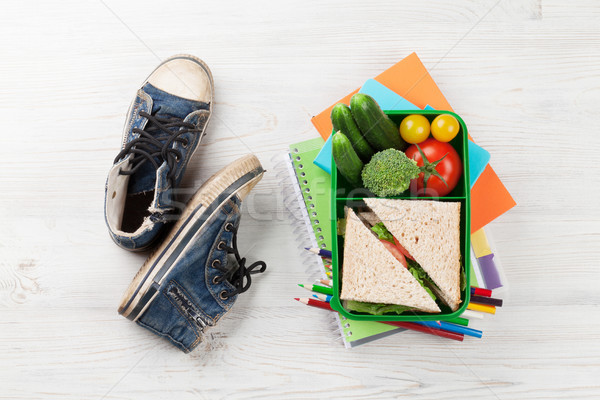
(389, 173)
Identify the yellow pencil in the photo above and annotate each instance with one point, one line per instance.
(482, 308)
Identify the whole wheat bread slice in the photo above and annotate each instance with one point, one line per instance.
(372, 274)
(430, 232)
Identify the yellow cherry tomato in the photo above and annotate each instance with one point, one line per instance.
(414, 128)
(445, 127)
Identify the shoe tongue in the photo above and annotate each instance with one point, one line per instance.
(163, 105)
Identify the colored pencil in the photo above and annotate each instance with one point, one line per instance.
(320, 252)
(490, 301)
(317, 288)
(324, 297)
(482, 308)
(327, 282)
(328, 273)
(328, 266)
(406, 325)
(459, 321)
(472, 314)
(425, 329)
(314, 303)
(481, 292)
(451, 328)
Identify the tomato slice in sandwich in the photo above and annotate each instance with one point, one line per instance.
(396, 252)
(403, 250)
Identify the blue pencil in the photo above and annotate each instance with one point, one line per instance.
(324, 297)
(431, 324)
(320, 252)
(451, 328)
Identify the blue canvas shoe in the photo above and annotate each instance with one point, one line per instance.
(165, 123)
(195, 276)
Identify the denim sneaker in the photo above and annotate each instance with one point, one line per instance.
(193, 278)
(165, 123)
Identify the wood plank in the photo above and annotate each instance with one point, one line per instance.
(522, 74)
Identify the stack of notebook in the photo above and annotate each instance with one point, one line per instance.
(406, 85)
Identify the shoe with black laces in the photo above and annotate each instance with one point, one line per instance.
(165, 123)
(194, 277)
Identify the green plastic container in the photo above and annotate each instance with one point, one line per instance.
(344, 194)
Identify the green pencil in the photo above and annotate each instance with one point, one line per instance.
(459, 321)
(317, 288)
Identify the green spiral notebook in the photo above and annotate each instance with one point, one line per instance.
(312, 187)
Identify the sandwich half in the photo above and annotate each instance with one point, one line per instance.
(371, 274)
(430, 232)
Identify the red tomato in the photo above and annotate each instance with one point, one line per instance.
(450, 168)
(403, 250)
(395, 252)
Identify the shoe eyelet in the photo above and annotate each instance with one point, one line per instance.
(221, 246)
(223, 295)
(216, 280)
(185, 144)
(228, 227)
(216, 263)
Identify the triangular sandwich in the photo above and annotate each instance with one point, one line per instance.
(430, 232)
(371, 274)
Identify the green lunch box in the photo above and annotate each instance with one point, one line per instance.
(345, 194)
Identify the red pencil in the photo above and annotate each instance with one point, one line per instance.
(426, 329)
(314, 303)
(481, 292)
(405, 325)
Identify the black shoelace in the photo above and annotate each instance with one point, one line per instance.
(240, 277)
(159, 148)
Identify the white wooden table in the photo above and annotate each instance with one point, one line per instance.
(525, 76)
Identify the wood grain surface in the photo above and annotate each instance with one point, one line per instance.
(523, 74)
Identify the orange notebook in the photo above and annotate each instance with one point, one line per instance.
(410, 79)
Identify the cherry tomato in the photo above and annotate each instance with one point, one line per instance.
(395, 252)
(414, 128)
(450, 168)
(445, 127)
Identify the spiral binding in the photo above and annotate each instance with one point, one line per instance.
(293, 203)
